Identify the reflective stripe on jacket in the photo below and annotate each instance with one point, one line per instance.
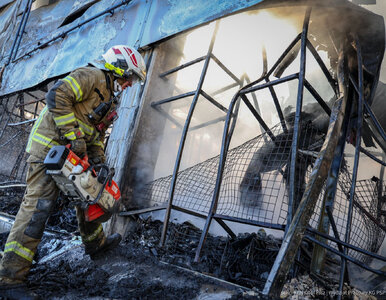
(65, 117)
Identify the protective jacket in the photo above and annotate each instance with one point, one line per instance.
(65, 118)
(66, 115)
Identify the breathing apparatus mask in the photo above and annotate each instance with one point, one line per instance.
(117, 87)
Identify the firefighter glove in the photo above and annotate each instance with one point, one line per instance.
(79, 147)
(97, 160)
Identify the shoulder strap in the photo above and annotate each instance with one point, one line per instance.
(108, 83)
(99, 94)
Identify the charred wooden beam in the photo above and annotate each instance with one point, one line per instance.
(296, 230)
(318, 256)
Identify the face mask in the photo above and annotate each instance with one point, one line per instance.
(117, 86)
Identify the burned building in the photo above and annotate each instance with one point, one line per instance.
(264, 113)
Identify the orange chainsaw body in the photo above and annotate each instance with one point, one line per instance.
(80, 183)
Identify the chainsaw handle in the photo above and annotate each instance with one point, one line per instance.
(84, 162)
(105, 181)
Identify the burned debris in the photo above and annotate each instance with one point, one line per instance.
(294, 176)
(244, 260)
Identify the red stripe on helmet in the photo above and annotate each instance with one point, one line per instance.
(132, 56)
(117, 51)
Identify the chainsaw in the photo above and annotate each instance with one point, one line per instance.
(96, 193)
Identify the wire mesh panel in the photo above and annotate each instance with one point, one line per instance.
(366, 232)
(14, 131)
(244, 261)
(255, 186)
(194, 187)
(254, 182)
(256, 174)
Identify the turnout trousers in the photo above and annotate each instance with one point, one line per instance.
(27, 230)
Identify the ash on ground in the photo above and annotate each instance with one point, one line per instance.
(62, 271)
(10, 199)
(140, 269)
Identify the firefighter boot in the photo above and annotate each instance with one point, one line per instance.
(108, 243)
(11, 290)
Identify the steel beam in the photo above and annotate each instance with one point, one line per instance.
(248, 89)
(297, 122)
(225, 69)
(174, 98)
(142, 210)
(197, 60)
(325, 71)
(346, 257)
(277, 106)
(214, 102)
(63, 34)
(249, 222)
(184, 134)
(20, 31)
(373, 157)
(317, 97)
(225, 88)
(167, 116)
(19, 38)
(211, 122)
(341, 243)
(258, 117)
(356, 162)
(227, 135)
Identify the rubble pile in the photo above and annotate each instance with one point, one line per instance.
(245, 261)
(64, 218)
(61, 270)
(10, 199)
(140, 269)
(123, 274)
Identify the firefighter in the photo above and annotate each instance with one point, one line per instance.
(66, 120)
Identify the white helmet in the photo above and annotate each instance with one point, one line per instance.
(124, 61)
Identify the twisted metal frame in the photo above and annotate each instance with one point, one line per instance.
(331, 155)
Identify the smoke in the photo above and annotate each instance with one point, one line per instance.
(238, 47)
